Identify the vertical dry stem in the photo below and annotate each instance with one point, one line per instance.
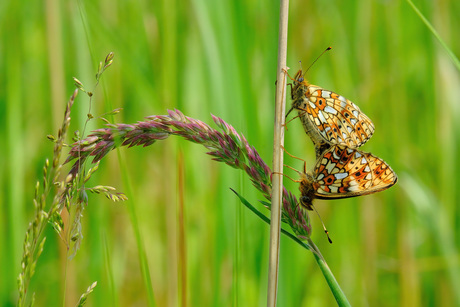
(280, 103)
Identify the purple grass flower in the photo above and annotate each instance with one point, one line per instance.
(224, 146)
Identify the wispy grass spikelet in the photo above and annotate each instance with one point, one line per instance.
(84, 296)
(68, 193)
(33, 246)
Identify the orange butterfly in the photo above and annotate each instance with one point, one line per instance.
(328, 118)
(342, 172)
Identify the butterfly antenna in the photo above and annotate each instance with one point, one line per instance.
(324, 226)
(327, 49)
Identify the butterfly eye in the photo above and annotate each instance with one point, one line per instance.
(300, 79)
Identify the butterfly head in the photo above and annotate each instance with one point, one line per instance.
(299, 86)
(298, 78)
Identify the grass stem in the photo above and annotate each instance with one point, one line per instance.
(278, 142)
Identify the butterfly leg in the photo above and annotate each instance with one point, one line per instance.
(287, 74)
(287, 175)
(285, 124)
(292, 156)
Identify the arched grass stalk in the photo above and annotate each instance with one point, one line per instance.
(224, 146)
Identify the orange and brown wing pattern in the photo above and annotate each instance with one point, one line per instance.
(343, 172)
(339, 121)
(328, 117)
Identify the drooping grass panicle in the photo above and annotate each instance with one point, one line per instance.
(225, 146)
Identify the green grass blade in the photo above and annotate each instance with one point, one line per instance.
(433, 216)
(436, 34)
(137, 233)
(108, 265)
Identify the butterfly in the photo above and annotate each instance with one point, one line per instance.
(343, 172)
(328, 118)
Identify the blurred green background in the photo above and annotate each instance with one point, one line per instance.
(395, 248)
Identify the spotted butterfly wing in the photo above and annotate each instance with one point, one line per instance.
(343, 172)
(328, 118)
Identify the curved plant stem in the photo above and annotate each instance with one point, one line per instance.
(278, 141)
(339, 295)
(226, 145)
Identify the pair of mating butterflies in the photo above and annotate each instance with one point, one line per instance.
(337, 127)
